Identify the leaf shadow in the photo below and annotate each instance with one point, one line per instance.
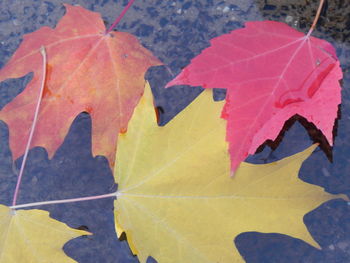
(314, 133)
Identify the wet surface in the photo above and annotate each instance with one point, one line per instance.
(177, 31)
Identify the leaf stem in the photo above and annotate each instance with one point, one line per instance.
(120, 16)
(316, 18)
(35, 119)
(64, 201)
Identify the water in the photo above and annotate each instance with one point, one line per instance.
(177, 31)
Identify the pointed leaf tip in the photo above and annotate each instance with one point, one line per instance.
(33, 236)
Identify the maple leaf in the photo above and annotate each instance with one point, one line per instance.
(88, 70)
(175, 201)
(29, 236)
(271, 72)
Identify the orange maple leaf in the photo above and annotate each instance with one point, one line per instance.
(87, 70)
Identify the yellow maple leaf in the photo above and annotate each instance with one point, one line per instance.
(176, 201)
(31, 236)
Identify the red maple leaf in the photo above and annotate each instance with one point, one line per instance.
(87, 70)
(271, 72)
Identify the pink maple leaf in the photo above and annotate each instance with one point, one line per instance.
(271, 72)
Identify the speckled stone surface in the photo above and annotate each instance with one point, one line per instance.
(177, 31)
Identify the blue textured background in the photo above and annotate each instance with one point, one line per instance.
(177, 31)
